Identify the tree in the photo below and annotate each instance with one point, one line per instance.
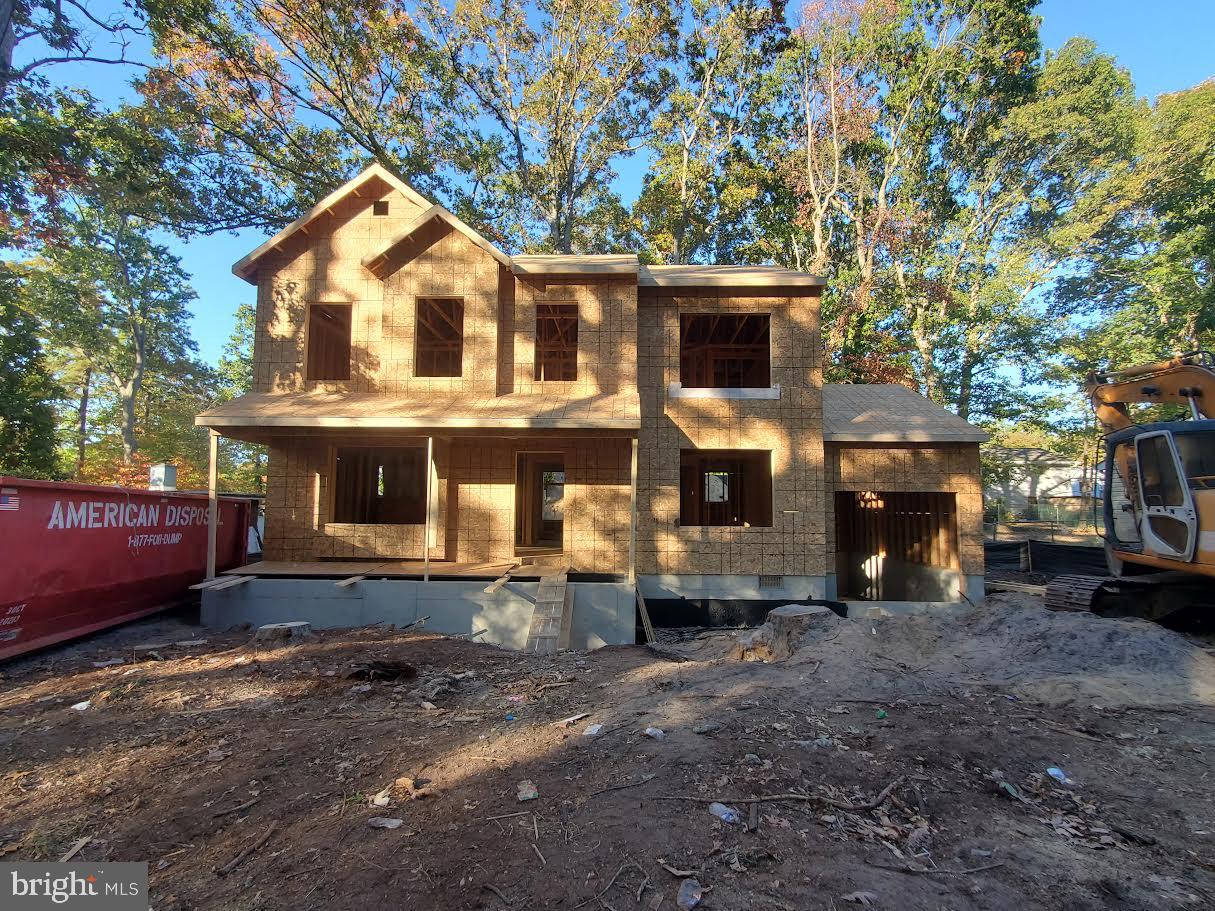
(37, 35)
(560, 91)
(942, 172)
(1023, 204)
(242, 464)
(116, 301)
(285, 100)
(885, 98)
(27, 392)
(1148, 272)
(703, 184)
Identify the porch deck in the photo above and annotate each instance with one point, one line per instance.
(401, 569)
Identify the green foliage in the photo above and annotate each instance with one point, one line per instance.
(553, 93)
(704, 183)
(114, 300)
(242, 465)
(942, 172)
(1148, 273)
(281, 101)
(27, 391)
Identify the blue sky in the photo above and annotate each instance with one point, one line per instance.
(1166, 45)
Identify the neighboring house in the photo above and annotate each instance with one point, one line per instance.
(426, 397)
(1024, 477)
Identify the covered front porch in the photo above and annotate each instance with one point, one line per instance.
(436, 488)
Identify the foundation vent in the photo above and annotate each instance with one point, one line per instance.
(771, 581)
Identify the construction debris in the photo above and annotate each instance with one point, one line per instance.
(283, 632)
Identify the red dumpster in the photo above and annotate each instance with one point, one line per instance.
(77, 558)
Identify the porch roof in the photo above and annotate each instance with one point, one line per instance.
(451, 411)
(890, 413)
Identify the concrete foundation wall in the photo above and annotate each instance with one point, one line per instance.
(603, 611)
(972, 585)
(732, 587)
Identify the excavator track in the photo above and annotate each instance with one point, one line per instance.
(1075, 593)
(1155, 596)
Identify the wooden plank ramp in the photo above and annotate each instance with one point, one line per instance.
(645, 617)
(549, 617)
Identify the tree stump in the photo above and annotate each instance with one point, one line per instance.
(782, 632)
(283, 632)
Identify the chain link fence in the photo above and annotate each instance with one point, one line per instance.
(1055, 517)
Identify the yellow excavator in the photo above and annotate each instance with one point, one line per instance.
(1159, 494)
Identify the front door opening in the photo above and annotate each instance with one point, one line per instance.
(540, 503)
(897, 546)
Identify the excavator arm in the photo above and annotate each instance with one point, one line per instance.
(1186, 379)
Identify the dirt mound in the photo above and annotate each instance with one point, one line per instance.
(1012, 642)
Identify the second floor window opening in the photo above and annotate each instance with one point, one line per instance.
(557, 342)
(440, 337)
(725, 350)
(328, 342)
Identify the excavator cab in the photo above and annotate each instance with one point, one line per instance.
(1160, 486)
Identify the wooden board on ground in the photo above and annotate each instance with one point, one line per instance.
(1016, 587)
(645, 618)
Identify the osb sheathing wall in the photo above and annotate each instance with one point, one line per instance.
(913, 468)
(324, 265)
(607, 336)
(474, 499)
(790, 427)
(326, 268)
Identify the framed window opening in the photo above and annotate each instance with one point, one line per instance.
(379, 485)
(556, 342)
(725, 350)
(328, 332)
(439, 339)
(725, 487)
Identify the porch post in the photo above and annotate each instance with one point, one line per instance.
(212, 502)
(430, 454)
(633, 517)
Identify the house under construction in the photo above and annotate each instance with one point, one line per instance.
(517, 445)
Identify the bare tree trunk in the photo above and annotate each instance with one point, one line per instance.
(82, 424)
(129, 391)
(966, 386)
(8, 40)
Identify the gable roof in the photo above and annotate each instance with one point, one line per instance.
(246, 266)
(890, 413)
(376, 261)
(524, 265)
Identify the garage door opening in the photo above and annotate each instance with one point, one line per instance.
(896, 546)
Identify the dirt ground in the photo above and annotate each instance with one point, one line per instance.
(902, 761)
